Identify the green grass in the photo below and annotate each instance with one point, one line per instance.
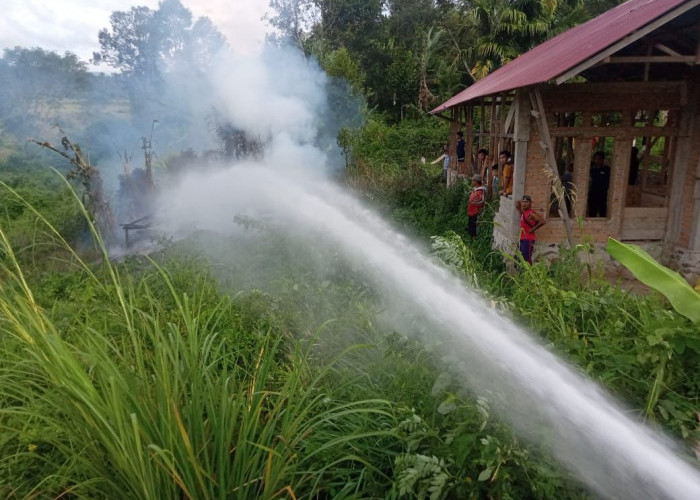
(155, 392)
(263, 369)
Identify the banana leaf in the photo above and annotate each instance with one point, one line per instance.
(684, 299)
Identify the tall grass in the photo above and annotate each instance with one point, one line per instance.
(151, 392)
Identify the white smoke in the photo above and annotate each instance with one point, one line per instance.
(277, 91)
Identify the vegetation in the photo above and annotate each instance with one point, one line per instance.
(418, 53)
(155, 378)
(259, 368)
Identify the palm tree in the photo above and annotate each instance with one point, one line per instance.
(506, 29)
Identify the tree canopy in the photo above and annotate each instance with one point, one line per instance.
(413, 53)
(143, 42)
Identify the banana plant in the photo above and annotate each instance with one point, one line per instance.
(683, 298)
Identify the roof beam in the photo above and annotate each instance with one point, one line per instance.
(681, 9)
(667, 50)
(648, 59)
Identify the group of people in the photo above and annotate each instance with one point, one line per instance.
(499, 174)
(497, 179)
(485, 176)
(530, 221)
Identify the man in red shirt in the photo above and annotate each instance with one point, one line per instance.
(477, 200)
(530, 221)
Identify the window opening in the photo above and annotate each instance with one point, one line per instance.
(650, 186)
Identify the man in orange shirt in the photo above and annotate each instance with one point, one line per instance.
(507, 177)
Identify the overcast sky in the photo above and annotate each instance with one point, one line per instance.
(72, 25)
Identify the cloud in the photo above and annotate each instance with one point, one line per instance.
(72, 25)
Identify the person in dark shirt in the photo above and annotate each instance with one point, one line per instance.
(567, 182)
(598, 185)
(634, 166)
(461, 153)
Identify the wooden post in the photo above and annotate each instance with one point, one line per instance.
(582, 171)
(548, 146)
(493, 131)
(681, 158)
(620, 174)
(482, 113)
(454, 127)
(469, 138)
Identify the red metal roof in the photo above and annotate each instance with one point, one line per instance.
(565, 51)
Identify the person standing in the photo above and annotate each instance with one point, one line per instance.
(494, 179)
(498, 166)
(507, 175)
(567, 182)
(530, 221)
(634, 166)
(477, 200)
(599, 183)
(482, 159)
(461, 153)
(445, 157)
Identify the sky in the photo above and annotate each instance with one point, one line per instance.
(72, 25)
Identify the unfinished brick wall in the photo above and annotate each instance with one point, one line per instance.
(538, 186)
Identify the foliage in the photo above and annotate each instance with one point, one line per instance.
(409, 49)
(142, 41)
(47, 193)
(167, 389)
(35, 83)
(682, 297)
(340, 64)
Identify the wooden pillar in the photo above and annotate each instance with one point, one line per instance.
(695, 229)
(620, 166)
(493, 131)
(482, 118)
(583, 151)
(521, 138)
(469, 139)
(681, 158)
(451, 144)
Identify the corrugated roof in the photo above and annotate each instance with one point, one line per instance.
(567, 50)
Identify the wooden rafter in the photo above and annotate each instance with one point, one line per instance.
(680, 59)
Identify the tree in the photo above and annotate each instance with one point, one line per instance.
(34, 82)
(293, 20)
(143, 42)
(129, 45)
(409, 20)
(507, 29)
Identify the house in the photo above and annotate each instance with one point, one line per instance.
(626, 84)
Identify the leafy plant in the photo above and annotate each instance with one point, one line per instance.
(682, 297)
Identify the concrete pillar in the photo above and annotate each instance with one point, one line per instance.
(521, 137)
